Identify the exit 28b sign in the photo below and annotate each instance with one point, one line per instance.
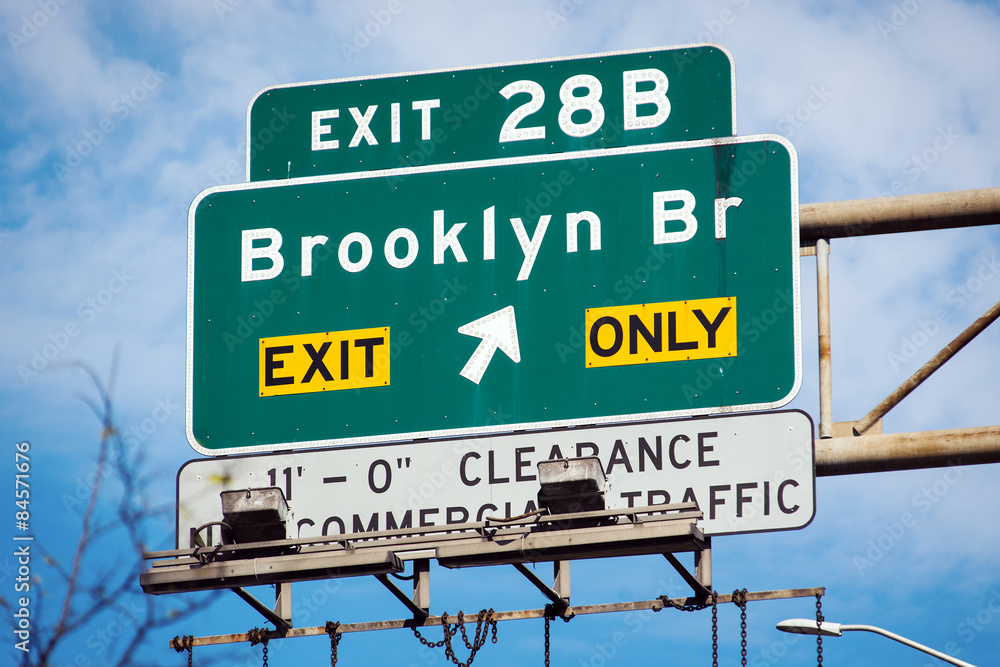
(580, 288)
(603, 100)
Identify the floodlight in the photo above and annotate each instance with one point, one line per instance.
(571, 485)
(255, 515)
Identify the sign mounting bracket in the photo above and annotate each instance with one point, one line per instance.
(419, 605)
(701, 581)
(561, 602)
(283, 598)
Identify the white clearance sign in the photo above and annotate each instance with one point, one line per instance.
(748, 473)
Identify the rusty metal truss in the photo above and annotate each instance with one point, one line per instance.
(861, 447)
(655, 529)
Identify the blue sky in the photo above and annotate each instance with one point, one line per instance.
(114, 117)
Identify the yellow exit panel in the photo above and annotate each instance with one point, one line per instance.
(652, 333)
(325, 361)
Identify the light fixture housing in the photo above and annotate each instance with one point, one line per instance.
(571, 485)
(254, 515)
(804, 626)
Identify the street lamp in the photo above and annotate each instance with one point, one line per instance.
(803, 626)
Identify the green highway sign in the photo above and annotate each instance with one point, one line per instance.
(584, 288)
(607, 100)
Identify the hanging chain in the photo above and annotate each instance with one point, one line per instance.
(428, 643)
(740, 599)
(547, 619)
(484, 620)
(260, 636)
(714, 604)
(715, 629)
(819, 623)
(667, 602)
(335, 637)
(450, 632)
(549, 615)
(185, 643)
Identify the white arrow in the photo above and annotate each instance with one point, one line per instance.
(497, 330)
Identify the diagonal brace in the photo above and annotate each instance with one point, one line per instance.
(560, 602)
(419, 613)
(280, 624)
(925, 371)
(700, 591)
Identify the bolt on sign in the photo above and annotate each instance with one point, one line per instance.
(604, 286)
(507, 110)
(748, 473)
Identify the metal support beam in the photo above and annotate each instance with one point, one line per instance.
(703, 564)
(907, 451)
(652, 605)
(283, 601)
(417, 611)
(561, 578)
(536, 538)
(823, 317)
(655, 534)
(280, 624)
(422, 583)
(186, 574)
(554, 597)
(700, 590)
(908, 213)
(927, 369)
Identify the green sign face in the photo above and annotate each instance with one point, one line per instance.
(584, 288)
(496, 111)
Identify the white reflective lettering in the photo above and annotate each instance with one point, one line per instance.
(509, 131)
(589, 102)
(344, 252)
(425, 106)
(318, 130)
(363, 131)
(248, 253)
(489, 235)
(444, 241)
(573, 220)
(632, 98)
(662, 215)
(394, 120)
(411, 248)
(721, 206)
(529, 246)
(308, 243)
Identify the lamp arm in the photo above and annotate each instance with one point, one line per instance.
(908, 642)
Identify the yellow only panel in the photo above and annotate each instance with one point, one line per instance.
(325, 361)
(651, 333)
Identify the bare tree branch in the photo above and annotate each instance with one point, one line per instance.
(116, 520)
